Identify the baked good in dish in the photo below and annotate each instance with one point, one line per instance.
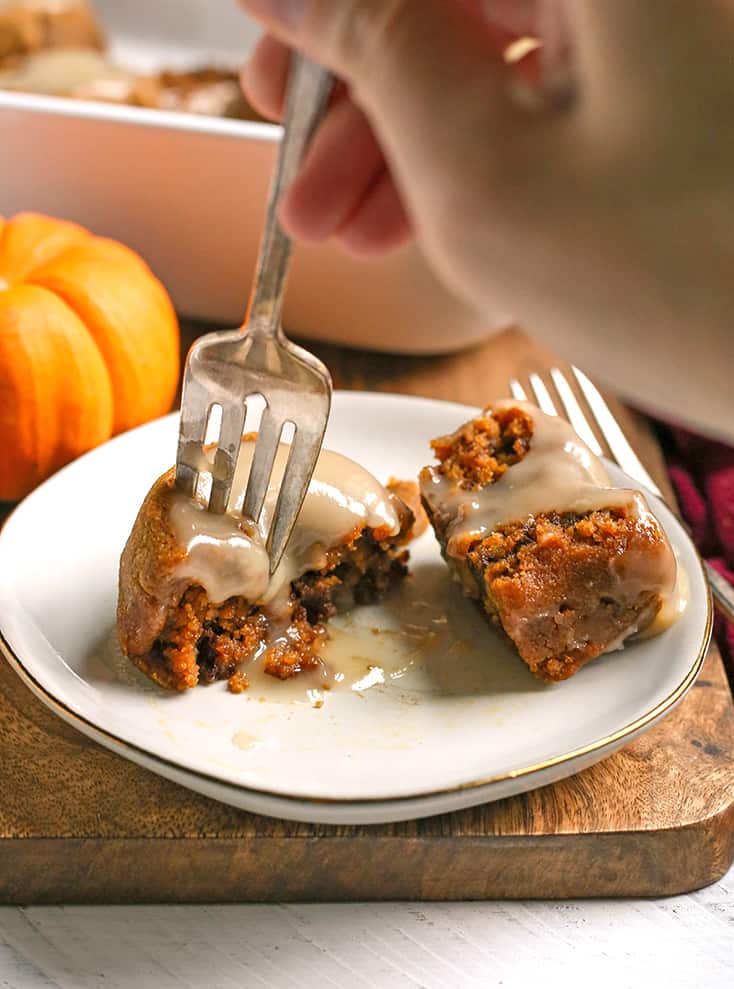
(208, 91)
(566, 565)
(28, 26)
(57, 48)
(196, 600)
(86, 74)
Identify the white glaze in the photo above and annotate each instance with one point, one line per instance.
(226, 553)
(355, 657)
(673, 606)
(559, 473)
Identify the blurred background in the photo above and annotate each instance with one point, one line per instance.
(145, 138)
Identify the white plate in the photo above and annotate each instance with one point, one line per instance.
(188, 192)
(457, 722)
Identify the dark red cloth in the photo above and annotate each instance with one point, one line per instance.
(702, 472)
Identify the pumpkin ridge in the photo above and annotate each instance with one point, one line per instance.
(33, 439)
(32, 230)
(133, 359)
(60, 297)
(46, 417)
(87, 332)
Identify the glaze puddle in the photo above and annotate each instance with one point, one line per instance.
(423, 639)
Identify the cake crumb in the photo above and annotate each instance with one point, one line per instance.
(238, 683)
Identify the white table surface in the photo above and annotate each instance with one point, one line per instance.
(683, 941)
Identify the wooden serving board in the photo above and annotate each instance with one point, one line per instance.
(79, 824)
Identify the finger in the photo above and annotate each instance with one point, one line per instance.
(340, 166)
(380, 222)
(519, 17)
(405, 62)
(636, 56)
(346, 35)
(543, 22)
(557, 64)
(623, 20)
(611, 34)
(264, 76)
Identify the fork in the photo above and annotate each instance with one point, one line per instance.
(619, 446)
(225, 370)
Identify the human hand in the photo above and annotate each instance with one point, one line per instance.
(346, 189)
(606, 224)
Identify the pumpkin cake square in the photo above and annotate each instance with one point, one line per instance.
(566, 565)
(197, 602)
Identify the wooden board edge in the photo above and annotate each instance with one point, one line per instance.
(208, 870)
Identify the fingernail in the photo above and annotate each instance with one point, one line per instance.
(289, 13)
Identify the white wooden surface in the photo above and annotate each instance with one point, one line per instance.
(685, 941)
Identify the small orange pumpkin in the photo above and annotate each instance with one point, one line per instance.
(89, 346)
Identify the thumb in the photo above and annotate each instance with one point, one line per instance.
(428, 75)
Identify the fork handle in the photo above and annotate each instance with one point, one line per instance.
(722, 591)
(309, 88)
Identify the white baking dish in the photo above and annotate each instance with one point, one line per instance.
(188, 192)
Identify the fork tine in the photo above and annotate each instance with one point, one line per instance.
(190, 459)
(542, 395)
(618, 443)
(305, 448)
(266, 448)
(518, 392)
(225, 458)
(574, 411)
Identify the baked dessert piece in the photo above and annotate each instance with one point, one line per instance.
(212, 92)
(568, 566)
(57, 48)
(28, 26)
(86, 74)
(195, 596)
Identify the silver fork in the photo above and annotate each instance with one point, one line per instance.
(226, 369)
(615, 439)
